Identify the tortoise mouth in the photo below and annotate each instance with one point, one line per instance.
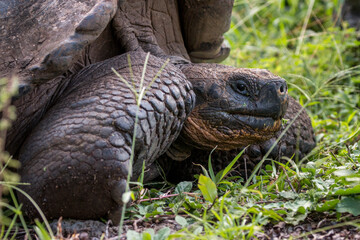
(256, 122)
(228, 131)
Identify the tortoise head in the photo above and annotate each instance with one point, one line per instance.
(234, 106)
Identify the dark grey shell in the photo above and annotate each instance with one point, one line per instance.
(39, 39)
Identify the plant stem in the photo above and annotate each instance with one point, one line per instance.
(5, 118)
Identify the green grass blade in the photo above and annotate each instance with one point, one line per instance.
(36, 207)
(211, 170)
(231, 164)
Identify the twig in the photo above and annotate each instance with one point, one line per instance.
(287, 179)
(113, 238)
(260, 202)
(107, 229)
(157, 217)
(59, 228)
(321, 222)
(136, 222)
(333, 154)
(349, 223)
(166, 196)
(212, 204)
(348, 150)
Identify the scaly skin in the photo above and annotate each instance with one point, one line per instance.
(76, 159)
(82, 145)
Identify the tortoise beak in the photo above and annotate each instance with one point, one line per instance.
(273, 99)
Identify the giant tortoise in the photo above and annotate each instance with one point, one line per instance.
(76, 118)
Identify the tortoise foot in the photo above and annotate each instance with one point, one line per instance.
(207, 56)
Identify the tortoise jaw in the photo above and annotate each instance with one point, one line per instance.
(256, 122)
(233, 127)
(206, 134)
(258, 119)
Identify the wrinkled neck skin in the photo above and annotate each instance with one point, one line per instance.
(234, 108)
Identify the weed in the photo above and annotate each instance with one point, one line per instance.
(299, 41)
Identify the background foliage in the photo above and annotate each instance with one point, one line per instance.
(304, 42)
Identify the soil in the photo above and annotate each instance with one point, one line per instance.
(315, 227)
(95, 230)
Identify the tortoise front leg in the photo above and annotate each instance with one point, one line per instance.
(77, 158)
(151, 26)
(204, 23)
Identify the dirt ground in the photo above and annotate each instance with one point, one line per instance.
(317, 227)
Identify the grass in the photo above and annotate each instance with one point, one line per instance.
(299, 41)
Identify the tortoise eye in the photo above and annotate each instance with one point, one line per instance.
(241, 88)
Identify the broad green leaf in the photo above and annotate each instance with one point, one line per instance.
(207, 188)
(343, 172)
(146, 236)
(198, 230)
(288, 195)
(195, 204)
(142, 209)
(183, 187)
(162, 234)
(133, 235)
(181, 220)
(350, 205)
(274, 205)
(321, 184)
(298, 205)
(295, 219)
(348, 191)
(327, 205)
(179, 200)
